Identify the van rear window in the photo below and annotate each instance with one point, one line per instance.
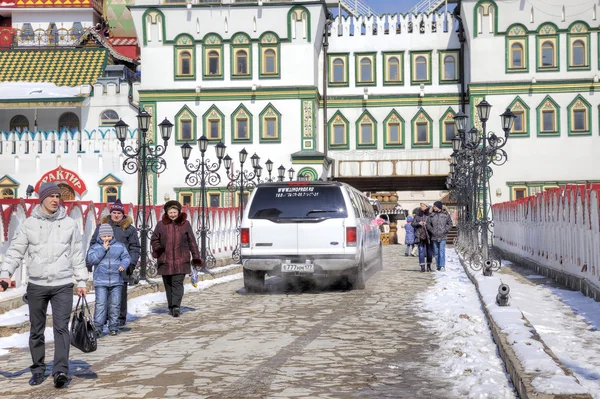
(294, 202)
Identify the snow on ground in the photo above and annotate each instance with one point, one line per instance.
(21, 315)
(137, 307)
(467, 355)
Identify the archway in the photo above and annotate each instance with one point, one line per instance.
(66, 192)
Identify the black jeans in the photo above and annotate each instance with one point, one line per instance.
(61, 298)
(123, 311)
(174, 289)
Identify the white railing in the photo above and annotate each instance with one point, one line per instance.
(356, 7)
(559, 229)
(427, 6)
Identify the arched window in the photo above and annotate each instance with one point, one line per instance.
(421, 68)
(108, 118)
(7, 193)
(547, 54)
(69, 122)
(394, 69)
(449, 67)
(111, 194)
(185, 63)
(338, 70)
(270, 61)
(579, 53)
(516, 52)
(241, 62)
(19, 123)
(366, 70)
(213, 63)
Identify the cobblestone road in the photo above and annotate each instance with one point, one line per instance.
(310, 343)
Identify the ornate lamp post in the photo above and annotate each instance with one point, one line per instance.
(470, 171)
(281, 173)
(203, 171)
(146, 157)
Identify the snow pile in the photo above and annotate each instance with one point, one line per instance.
(36, 90)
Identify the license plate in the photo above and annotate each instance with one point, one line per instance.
(299, 268)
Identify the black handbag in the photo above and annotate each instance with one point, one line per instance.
(83, 330)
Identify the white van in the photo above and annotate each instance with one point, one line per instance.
(308, 229)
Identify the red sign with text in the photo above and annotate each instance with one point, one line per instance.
(62, 175)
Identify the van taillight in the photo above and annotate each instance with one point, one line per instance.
(245, 237)
(350, 236)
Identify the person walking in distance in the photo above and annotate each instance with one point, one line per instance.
(409, 239)
(172, 243)
(125, 233)
(438, 226)
(51, 244)
(425, 245)
(110, 259)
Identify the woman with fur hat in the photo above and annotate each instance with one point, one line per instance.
(172, 243)
(125, 233)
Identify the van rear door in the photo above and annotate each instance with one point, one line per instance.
(297, 218)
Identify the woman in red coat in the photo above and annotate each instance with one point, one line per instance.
(172, 242)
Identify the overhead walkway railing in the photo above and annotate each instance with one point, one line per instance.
(353, 7)
(429, 6)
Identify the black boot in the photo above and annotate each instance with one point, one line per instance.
(429, 267)
(60, 379)
(422, 268)
(36, 379)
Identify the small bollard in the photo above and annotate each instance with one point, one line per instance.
(502, 297)
(487, 268)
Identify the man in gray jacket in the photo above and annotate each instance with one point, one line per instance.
(50, 242)
(438, 226)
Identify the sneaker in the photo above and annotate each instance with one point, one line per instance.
(60, 379)
(36, 379)
(442, 269)
(114, 332)
(176, 312)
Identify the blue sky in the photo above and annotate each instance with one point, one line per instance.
(389, 6)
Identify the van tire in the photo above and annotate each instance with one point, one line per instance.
(254, 281)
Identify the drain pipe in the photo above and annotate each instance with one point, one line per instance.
(328, 22)
(462, 38)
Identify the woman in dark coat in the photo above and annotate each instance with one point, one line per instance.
(421, 234)
(172, 243)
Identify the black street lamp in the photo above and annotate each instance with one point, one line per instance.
(203, 171)
(241, 180)
(470, 171)
(144, 158)
(281, 173)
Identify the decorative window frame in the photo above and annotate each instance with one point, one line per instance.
(487, 5)
(519, 105)
(110, 123)
(413, 67)
(385, 59)
(184, 112)
(422, 116)
(517, 33)
(548, 102)
(578, 30)
(241, 41)
(269, 40)
(241, 109)
(366, 117)
(358, 57)
(109, 181)
(332, 57)
(211, 114)
(210, 194)
(514, 189)
(312, 174)
(580, 103)
(153, 16)
(299, 10)
(212, 42)
(269, 111)
(441, 70)
(393, 116)
(183, 43)
(547, 32)
(21, 127)
(8, 183)
(447, 118)
(338, 118)
(181, 194)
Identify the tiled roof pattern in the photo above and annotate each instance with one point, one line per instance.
(70, 67)
(97, 4)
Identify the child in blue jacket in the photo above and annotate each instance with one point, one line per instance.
(109, 258)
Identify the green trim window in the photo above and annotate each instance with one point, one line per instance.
(269, 56)
(420, 67)
(548, 118)
(338, 69)
(241, 56)
(214, 200)
(185, 126)
(338, 127)
(578, 41)
(521, 124)
(422, 129)
(365, 67)
(393, 68)
(580, 118)
(394, 130)
(214, 122)
(366, 131)
(185, 56)
(447, 128)
(153, 19)
(547, 43)
(517, 51)
(213, 57)
(449, 66)
(241, 122)
(270, 125)
(186, 198)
